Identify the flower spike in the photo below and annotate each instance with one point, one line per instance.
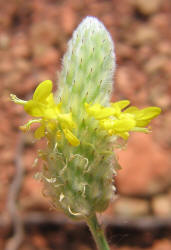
(82, 127)
(43, 106)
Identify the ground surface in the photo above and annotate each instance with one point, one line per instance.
(33, 38)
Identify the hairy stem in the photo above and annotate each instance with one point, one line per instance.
(97, 233)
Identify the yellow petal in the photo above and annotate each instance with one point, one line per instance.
(104, 113)
(51, 126)
(148, 113)
(99, 112)
(124, 125)
(107, 124)
(142, 123)
(118, 106)
(50, 100)
(40, 132)
(121, 104)
(131, 110)
(124, 135)
(49, 113)
(92, 110)
(72, 139)
(66, 121)
(42, 91)
(34, 108)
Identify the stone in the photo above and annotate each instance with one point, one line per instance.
(163, 131)
(148, 7)
(70, 19)
(4, 41)
(45, 56)
(124, 51)
(161, 205)
(146, 167)
(129, 80)
(32, 198)
(164, 244)
(159, 96)
(155, 64)
(44, 33)
(164, 47)
(130, 207)
(144, 35)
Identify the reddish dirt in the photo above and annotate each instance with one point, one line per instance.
(33, 39)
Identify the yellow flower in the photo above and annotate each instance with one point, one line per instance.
(144, 116)
(40, 132)
(120, 123)
(66, 121)
(116, 119)
(118, 127)
(71, 138)
(118, 106)
(99, 112)
(42, 104)
(50, 115)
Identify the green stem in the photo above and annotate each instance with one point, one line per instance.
(97, 233)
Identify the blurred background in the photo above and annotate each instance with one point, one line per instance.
(33, 39)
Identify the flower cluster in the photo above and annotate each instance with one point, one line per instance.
(51, 118)
(118, 119)
(120, 123)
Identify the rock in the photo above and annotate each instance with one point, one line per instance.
(140, 97)
(161, 205)
(108, 20)
(29, 154)
(144, 53)
(124, 82)
(163, 132)
(161, 22)
(39, 241)
(11, 82)
(160, 96)
(23, 66)
(44, 33)
(31, 196)
(4, 41)
(45, 56)
(146, 7)
(146, 168)
(129, 80)
(124, 51)
(7, 156)
(163, 47)
(77, 5)
(29, 84)
(155, 64)
(20, 48)
(130, 207)
(6, 65)
(144, 35)
(164, 244)
(69, 22)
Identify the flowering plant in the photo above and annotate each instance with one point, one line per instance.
(82, 126)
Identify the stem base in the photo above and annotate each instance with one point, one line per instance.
(97, 233)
